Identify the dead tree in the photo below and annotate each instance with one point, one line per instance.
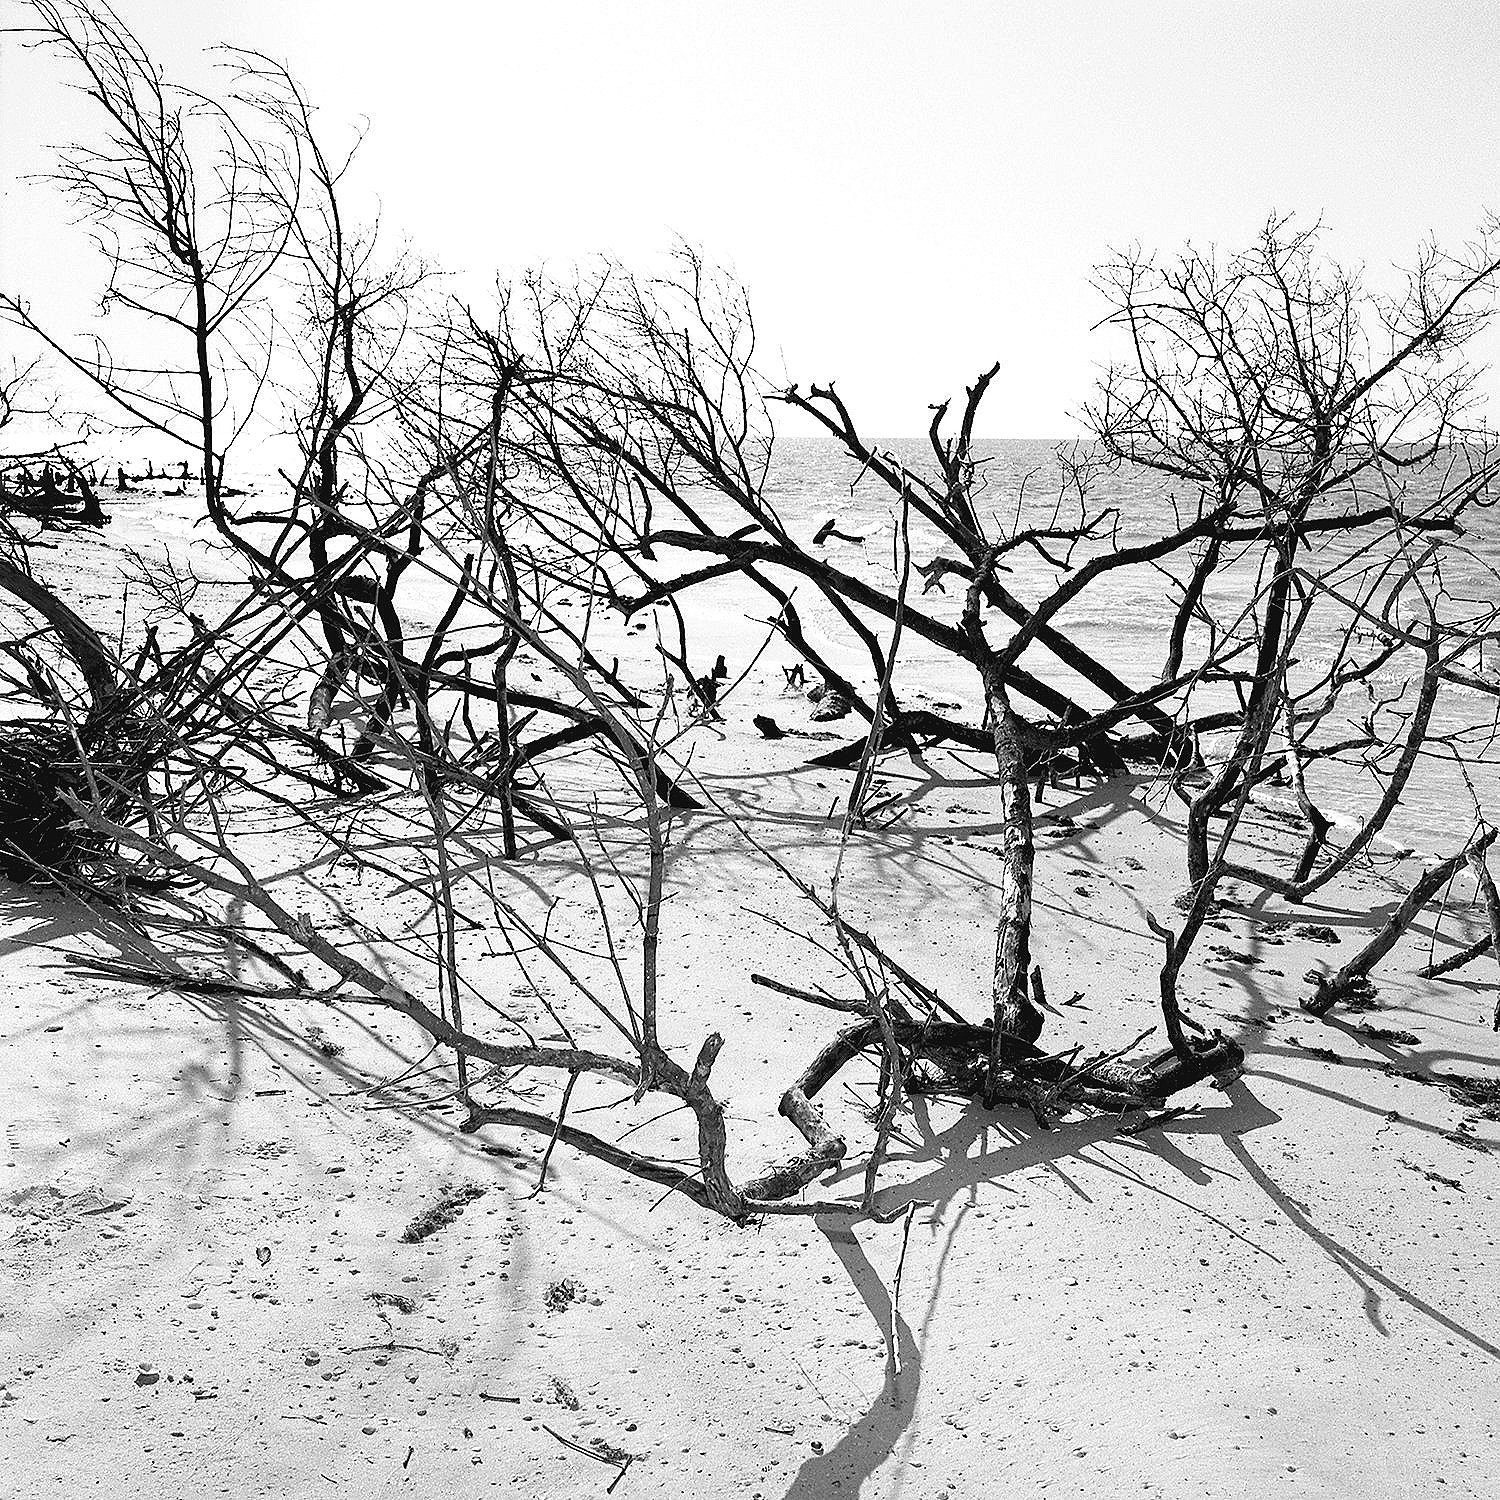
(630, 407)
(1334, 430)
(947, 1053)
(608, 445)
(1336, 426)
(209, 212)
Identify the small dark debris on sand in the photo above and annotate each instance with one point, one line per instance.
(1064, 827)
(1233, 956)
(1315, 934)
(610, 1453)
(1433, 1177)
(560, 1393)
(1482, 1095)
(325, 1044)
(561, 1295)
(1463, 1135)
(1412, 1075)
(1388, 1034)
(398, 1300)
(1324, 1054)
(442, 1211)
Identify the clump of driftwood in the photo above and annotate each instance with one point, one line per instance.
(89, 748)
(42, 767)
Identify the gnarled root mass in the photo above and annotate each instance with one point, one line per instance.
(38, 832)
(42, 767)
(950, 1056)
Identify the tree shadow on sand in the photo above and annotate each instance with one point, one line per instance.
(957, 1172)
(866, 1445)
(63, 933)
(1365, 1276)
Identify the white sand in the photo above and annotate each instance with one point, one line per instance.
(1268, 1296)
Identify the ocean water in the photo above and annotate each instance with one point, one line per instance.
(1124, 619)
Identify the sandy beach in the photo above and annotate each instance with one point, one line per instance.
(1287, 1289)
(749, 751)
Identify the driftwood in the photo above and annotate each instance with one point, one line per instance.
(1455, 961)
(963, 1056)
(44, 761)
(1353, 979)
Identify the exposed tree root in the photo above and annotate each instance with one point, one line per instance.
(961, 1056)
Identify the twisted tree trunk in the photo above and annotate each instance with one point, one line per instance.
(1015, 1014)
(76, 636)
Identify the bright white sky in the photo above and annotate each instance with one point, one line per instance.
(909, 190)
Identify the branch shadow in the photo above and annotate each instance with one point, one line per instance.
(877, 1436)
(874, 1437)
(1365, 1276)
(866, 1444)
